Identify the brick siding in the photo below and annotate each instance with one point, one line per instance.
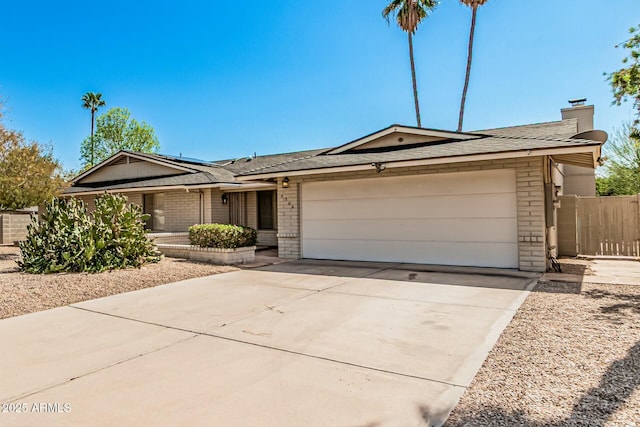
(529, 194)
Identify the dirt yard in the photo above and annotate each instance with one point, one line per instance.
(570, 357)
(25, 293)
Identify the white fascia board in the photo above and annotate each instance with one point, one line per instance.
(141, 189)
(248, 186)
(437, 161)
(222, 186)
(402, 129)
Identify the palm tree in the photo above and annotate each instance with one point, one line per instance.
(409, 13)
(92, 101)
(473, 4)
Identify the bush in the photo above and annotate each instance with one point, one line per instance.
(224, 236)
(68, 239)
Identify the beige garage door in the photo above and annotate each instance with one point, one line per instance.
(466, 218)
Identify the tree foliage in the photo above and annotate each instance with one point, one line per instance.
(626, 81)
(621, 164)
(115, 131)
(92, 101)
(68, 239)
(409, 14)
(29, 174)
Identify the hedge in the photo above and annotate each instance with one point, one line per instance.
(224, 236)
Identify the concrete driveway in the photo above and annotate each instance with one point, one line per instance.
(297, 344)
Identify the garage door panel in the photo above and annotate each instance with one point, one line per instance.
(437, 184)
(466, 229)
(485, 206)
(465, 218)
(500, 255)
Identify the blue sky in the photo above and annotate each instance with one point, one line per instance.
(227, 79)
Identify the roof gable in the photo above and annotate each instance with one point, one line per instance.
(397, 136)
(128, 165)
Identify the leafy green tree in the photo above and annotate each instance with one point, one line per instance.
(473, 4)
(621, 164)
(409, 14)
(626, 81)
(29, 174)
(92, 101)
(115, 131)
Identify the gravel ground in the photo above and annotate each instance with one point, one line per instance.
(25, 293)
(570, 357)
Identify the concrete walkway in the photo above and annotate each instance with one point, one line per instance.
(603, 271)
(295, 344)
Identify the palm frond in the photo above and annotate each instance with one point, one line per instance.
(409, 13)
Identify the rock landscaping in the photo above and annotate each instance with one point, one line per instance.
(22, 293)
(570, 357)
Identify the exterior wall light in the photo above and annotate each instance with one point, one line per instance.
(285, 182)
(379, 167)
(225, 198)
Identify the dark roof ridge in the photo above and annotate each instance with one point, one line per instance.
(278, 164)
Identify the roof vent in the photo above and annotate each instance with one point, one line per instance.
(578, 101)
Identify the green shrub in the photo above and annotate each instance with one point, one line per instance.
(68, 239)
(224, 236)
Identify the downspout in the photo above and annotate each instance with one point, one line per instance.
(550, 208)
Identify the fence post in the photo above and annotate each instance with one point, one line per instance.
(578, 227)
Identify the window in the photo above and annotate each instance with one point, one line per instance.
(153, 205)
(266, 210)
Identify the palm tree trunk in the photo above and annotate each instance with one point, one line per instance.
(413, 79)
(469, 57)
(92, 148)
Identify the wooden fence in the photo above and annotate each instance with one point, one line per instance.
(599, 226)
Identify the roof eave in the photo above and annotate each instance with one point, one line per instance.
(590, 148)
(121, 153)
(402, 129)
(224, 186)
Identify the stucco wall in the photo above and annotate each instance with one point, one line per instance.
(529, 192)
(579, 181)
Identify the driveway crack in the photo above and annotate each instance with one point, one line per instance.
(211, 335)
(111, 365)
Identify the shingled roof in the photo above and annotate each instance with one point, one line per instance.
(532, 137)
(193, 172)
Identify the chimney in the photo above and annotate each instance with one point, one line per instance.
(584, 114)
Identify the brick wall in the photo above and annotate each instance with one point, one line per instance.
(267, 238)
(181, 210)
(529, 192)
(219, 212)
(13, 227)
(289, 216)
